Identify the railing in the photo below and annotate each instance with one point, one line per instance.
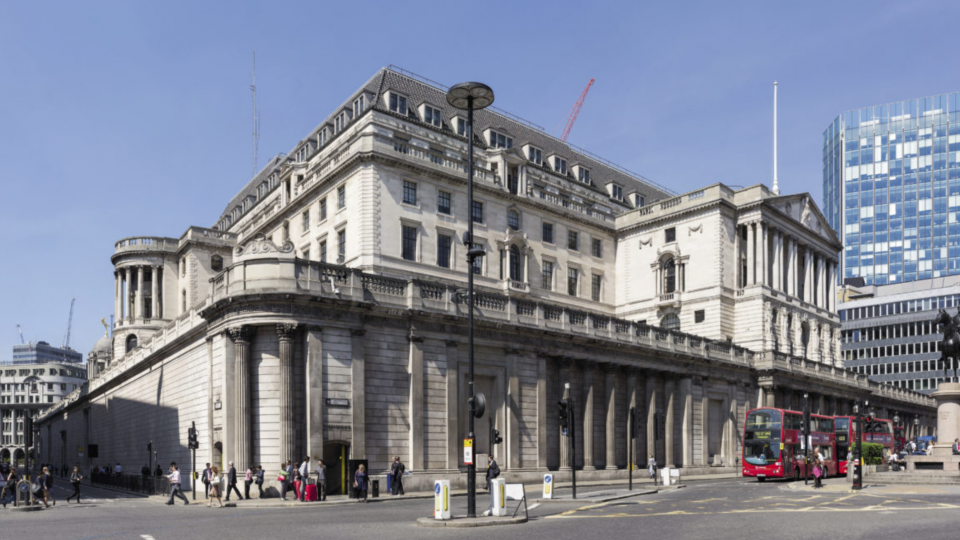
(578, 318)
(147, 243)
(668, 297)
(384, 285)
(526, 308)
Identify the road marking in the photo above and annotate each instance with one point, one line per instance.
(146, 537)
(534, 505)
(571, 514)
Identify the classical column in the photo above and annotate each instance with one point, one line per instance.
(669, 391)
(736, 256)
(686, 428)
(118, 295)
(732, 427)
(155, 287)
(770, 396)
(415, 403)
(778, 279)
(565, 458)
(821, 283)
(589, 374)
(761, 253)
(512, 432)
(651, 416)
(631, 404)
(610, 387)
(452, 378)
(285, 332)
(751, 260)
(128, 296)
(792, 267)
(314, 391)
(358, 387)
(542, 412)
(243, 430)
(831, 283)
(139, 300)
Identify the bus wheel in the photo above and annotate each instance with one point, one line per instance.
(761, 479)
(796, 474)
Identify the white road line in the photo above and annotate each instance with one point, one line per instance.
(146, 537)
(534, 505)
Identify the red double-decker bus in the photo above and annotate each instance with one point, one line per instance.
(772, 443)
(879, 431)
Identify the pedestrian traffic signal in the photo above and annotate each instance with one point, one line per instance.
(194, 440)
(495, 437)
(564, 415)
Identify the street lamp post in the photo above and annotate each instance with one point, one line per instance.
(857, 453)
(807, 439)
(470, 96)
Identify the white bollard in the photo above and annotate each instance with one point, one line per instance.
(441, 499)
(548, 486)
(664, 476)
(498, 497)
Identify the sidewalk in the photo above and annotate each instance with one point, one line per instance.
(840, 485)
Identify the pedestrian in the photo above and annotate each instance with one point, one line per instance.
(284, 479)
(260, 480)
(63, 470)
(45, 485)
(8, 493)
(174, 478)
(321, 480)
(205, 478)
(304, 472)
(396, 473)
(652, 467)
(247, 480)
(118, 470)
(75, 478)
(232, 483)
(823, 463)
(817, 473)
(145, 471)
(493, 471)
(360, 482)
(956, 447)
(159, 472)
(213, 485)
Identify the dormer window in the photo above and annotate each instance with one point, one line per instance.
(398, 104)
(560, 165)
(639, 200)
(262, 191)
(461, 127)
(499, 140)
(583, 175)
(302, 153)
(432, 115)
(341, 121)
(616, 192)
(322, 137)
(535, 155)
(358, 105)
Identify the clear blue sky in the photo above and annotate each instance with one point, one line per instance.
(133, 118)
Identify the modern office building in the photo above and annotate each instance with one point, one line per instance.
(324, 312)
(42, 352)
(891, 188)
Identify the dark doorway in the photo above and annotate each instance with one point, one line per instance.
(335, 458)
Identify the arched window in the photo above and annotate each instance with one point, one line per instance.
(670, 321)
(131, 342)
(516, 270)
(216, 263)
(513, 220)
(669, 276)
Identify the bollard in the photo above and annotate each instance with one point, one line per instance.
(548, 486)
(498, 496)
(441, 499)
(376, 488)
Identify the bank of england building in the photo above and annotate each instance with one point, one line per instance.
(324, 312)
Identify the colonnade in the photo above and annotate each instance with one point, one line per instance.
(774, 257)
(131, 301)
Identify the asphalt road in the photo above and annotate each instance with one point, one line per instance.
(713, 510)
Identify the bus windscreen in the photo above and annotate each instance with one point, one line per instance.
(761, 444)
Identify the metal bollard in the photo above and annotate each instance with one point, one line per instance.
(24, 493)
(376, 488)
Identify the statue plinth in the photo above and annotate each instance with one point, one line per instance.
(948, 417)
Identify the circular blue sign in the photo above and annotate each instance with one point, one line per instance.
(438, 488)
(547, 478)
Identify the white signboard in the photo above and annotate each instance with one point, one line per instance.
(468, 451)
(548, 486)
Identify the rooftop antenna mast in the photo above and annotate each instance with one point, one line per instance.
(776, 186)
(256, 117)
(66, 340)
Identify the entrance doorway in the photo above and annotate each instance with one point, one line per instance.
(335, 456)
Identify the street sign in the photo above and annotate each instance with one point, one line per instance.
(468, 451)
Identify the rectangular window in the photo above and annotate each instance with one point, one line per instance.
(477, 212)
(398, 104)
(560, 165)
(573, 240)
(477, 261)
(444, 244)
(341, 246)
(617, 192)
(461, 127)
(670, 235)
(340, 122)
(535, 155)
(547, 232)
(305, 221)
(499, 140)
(583, 175)
(699, 315)
(306, 253)
(443, 202)
(596, 247)
(595, 282)
(639, 200)
(573, 278)
(302, 154)
(409, 243)
(342, 197)
(432, 116)
(323, 209)
(409, 193)
(358, 106)
(548, 275)
(323, 251)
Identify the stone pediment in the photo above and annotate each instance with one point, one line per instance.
(802, 209)
(262, 247)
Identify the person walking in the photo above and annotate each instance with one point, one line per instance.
(396, 476)
(304, 471)
(118, 470)
(8, 493)
(260, 480)
(213, 486)
(493, 471)
(360, 482)
(321, 480)
(232, 483)
(175, 490)
(205, 478)
(247, 480)
(823, 464)
(817, 473)
(45, 485)
(75, 478)
(652, 468)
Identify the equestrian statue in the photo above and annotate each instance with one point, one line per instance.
(950, 346)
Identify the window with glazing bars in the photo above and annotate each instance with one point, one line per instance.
(409, 243)
(596, 281)
(443, 202)
(477, 212)
(398, 103)
(573, 278)
(548, 275)
(573, 240)
(409, 192)
(444, 243)
(548, 232)
(341, 246)
(597, 247)
(342, 197)
(478, 261)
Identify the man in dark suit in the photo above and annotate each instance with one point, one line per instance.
(232, 483)
(207, 476)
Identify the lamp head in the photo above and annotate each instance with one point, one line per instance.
(470, 95)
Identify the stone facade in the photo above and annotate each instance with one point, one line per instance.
(324, 314)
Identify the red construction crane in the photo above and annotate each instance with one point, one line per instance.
(572, 119)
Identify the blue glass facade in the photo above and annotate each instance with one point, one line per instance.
(891, 189)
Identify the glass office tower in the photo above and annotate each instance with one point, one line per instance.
(891, 189)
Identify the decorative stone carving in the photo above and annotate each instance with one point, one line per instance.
(698, 228)
(648, 242)
(286, 330)
(261, 246)
(240, 333)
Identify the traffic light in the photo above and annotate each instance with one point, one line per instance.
(564, 416)
(495, 437)
(194, 440)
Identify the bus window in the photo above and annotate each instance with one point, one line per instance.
(842, 424)
(761, 444)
